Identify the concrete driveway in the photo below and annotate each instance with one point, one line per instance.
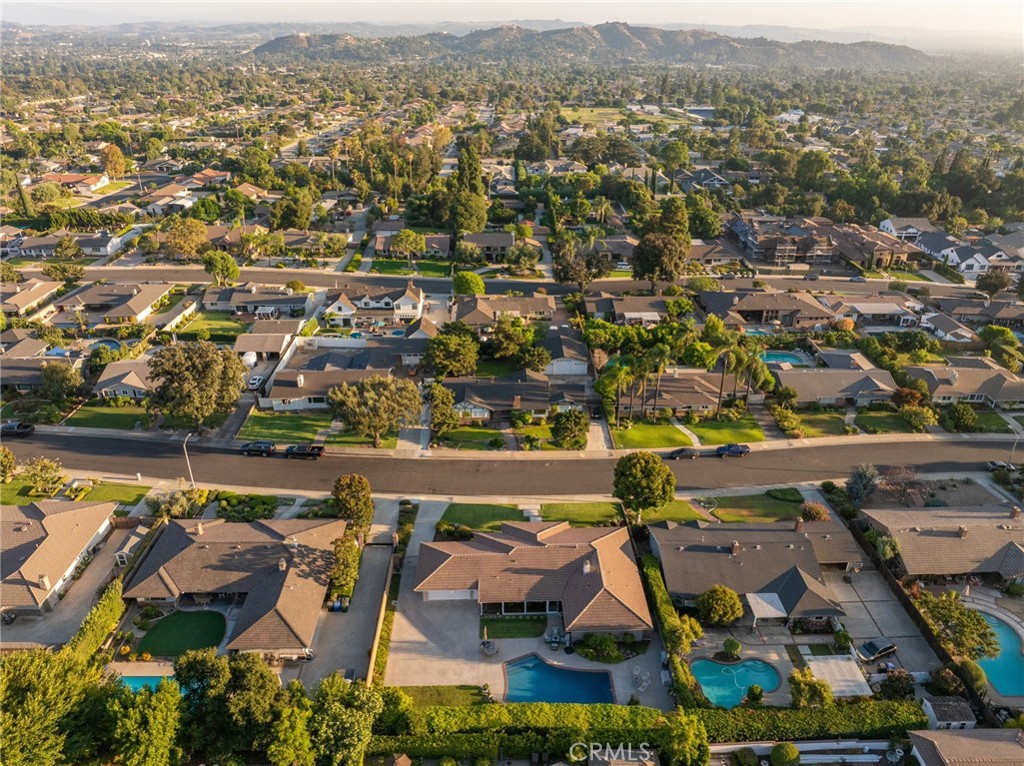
(872, 611)
(57, 627)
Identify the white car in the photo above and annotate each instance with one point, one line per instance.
(255, 382)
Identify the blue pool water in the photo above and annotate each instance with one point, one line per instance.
(137, 682)
(1005, 672)
(755, 331)
(726, 685)
(530, 679)
(108, 342)
(355, 335)
(782, 356)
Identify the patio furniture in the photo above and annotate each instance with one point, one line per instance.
(489, 648)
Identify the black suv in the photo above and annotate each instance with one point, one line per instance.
(265, 449)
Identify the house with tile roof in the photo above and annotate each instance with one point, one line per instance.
(830, 386)
(106, 303)
(41, 545)
(481, 311)
(972, 747)
(276, 571)
(588, 575)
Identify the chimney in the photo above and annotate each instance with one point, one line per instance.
(586, 567)
(282, 565)
(1015, 512)
(962, 532)
(735, 548)
(44, 582)
(199, 529)
(798, 525)
(300, 380)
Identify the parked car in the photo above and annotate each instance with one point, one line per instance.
(305, 451)
(596, 413)
(733, 450)
(858, 279)
(17, 428)
(999, 465)
(255, 382)
(812, 277)
(265, 449)
(683, 452)
(875, 649)
(728, 275)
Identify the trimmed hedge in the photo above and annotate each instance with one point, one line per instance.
(525, 716)
(98, 623)
(870, 719)
(462, 747)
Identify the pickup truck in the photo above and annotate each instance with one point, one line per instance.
(305, 451)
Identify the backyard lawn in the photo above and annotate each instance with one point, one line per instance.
(448, 696)
(96, 415)
(495, 368)
(581, 514)
(471, 437)
(815, 424)
(514, 627)
(425, 268)
(678, 510)
(745, 429)
(649, 436)
(881, 422)
(760, 507)
(481, 516)
(178, 632)
(111, 492)
(222, 326)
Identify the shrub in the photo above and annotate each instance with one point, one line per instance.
(870, 719)
(842, 640)
(599, 647)
(1014, 590)
(812, 511)
(719, 606)
(808, 691)
(785, 754)
(98, 623)
(746, 756)
(897, 685)
(755, 695)
(732, 648)
(946, 681)
(972, 675)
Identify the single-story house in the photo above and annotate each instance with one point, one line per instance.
(20, 299)
(125, 377)
(832, 386)
(946, 328)
(365, 306)
(968, 747)
(438, 245)
(481, 311)
(495, 399)
(796, 311)
(588, 575)
(41, 545)
(276, 571)
(569, 355)
(974, 379)
(25, 374)
(891, 310)
(645, 310)
(265, 301)
(681, 390)
(110, 304)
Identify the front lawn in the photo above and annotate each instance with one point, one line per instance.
(111, 492)
(761, 507)
(447, 696)
(991, 423)
(542, 433)
(424, 268)
(96, 415)
(828, 423)
(178, 632)
(480, 516)
(301, 427)
(514, 627)
(24, 263)
(678, 510)
(16, 492)
(471, 437)
(581, 514)
(881, 422)
(649, 436)
(738, 431)
(495, 368)
(222, 326)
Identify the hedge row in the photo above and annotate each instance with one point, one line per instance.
(870, 719)
(533, 716)
(98, 623)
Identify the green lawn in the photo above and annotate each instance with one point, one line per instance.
(678, 510)
(745, 429)
(581, 514)
(481, 516)
(425, 268)
(992, 423)
(114, 186)
(649, 436)
(495, 368)
(514, 627)
(298, 427)
(908, 276)
(15, 492)
(471, 437)
(22, 263)
(111, 492)
(222, 326)
(541, 432)
(448, 696)
(756, 508)
(882, 422)
(178, 632)
(586, 115)
(98, 416)
(815, 424)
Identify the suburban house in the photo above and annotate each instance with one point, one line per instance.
(495, 399)
(645, 310)
(25, 374)
(275, 571)
(494, 245)
(437, 245)
(907, 229)
(617, 248)
(79, 183)
(868, 248)
(830, 386)
(367, 306)
(782, 241)
(946, 328)
(45, 246)
(387, 226)
(979, 312)
(17, 300)
(267, 302)
(972, 379)
(41, 545)
(110, 304)
(588, 575)
(986, 539)
(125, 377)
(268, 338)
(776, 567)
(679, 391)
(948, 713)
(569, 355)
(482, 311)
(890, 310)
(970, 747)
(797, 311)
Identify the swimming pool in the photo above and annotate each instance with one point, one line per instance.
(108, 342)
(138, 682)
(355, 335)
(530, 679)
(1005, 672)
(780, 357)
(756, 331)
(726, 685)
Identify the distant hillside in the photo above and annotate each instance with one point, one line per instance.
(605, 43)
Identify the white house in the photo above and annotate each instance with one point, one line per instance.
(948, 713)
(907, 229)
(568, 354)
(946, 328)
(398, 306)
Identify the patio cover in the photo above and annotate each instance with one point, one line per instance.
(766, 606)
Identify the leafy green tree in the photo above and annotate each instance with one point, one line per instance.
(342, 721)
(9, 275)
(443, 417)
(992, 282)
(511, 334)
(195, 380)
(450, 355)
(973, 675)
(961, 417)
(290, 744)
(643, 481)
(203, 677)
(253, 701)
(409, 243)
(147, 726)
(354, 499)
(807, 691)
(468, 254)
(811, 168)
(59, 381)
(571, 267)
(468, 283)
(375, 405)
(44, 475)
(963, 631)
(68, 247)
(186, 238)
(918, 417)
(732, 648)
(64, 272)
(468, 213)
(114, 163)
(718, 606)
(221, 266)
(522, 259)
(569, 429)
(659, 257)
(703, 284)
(534, 358)
(897, 685)
(8, 465)
(674, 220)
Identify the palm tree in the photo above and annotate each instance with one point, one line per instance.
(602, 209)
(641, 371)
(724, 352)
(618, 376)
(659, 356)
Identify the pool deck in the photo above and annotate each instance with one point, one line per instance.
(984, 599)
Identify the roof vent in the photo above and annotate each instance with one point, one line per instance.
(586, 567)
(757, 547)
(199, 528)
(282, 565)
(962, 532)
(44, 582)
(790, 546)
(1015, 512)
(735, 548)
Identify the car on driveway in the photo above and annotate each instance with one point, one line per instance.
(999, 465)
(876, 649)
(683, 452)
(304, 451)
(255, 382)
(733, 450)
(17, 428)
(264, 449)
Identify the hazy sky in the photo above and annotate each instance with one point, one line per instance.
(996, 16)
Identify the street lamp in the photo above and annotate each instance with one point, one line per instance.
(1013, 449)
(184, 447)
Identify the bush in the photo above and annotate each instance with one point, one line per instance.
(755, 695)
(972, 675)
(239, 508)
(599, 647)
(811, 511)
(719, 605)
(785, 754)
(897, 685)
(1014, 590)
(732, 648)
(946, 681)
(808, 691)
(746, 756)
(842, 640)
(98, 623)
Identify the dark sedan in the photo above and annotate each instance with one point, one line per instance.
(17, 428)
(683, 452)
(733, 450)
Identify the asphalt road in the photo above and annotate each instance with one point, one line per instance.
(439, 476)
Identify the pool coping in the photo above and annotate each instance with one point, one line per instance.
(504, 675)
(1017, 630)
(778, 672)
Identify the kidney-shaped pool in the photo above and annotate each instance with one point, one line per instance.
(530, 679)
(726, 685)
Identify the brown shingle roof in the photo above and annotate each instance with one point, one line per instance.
(970, 747)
